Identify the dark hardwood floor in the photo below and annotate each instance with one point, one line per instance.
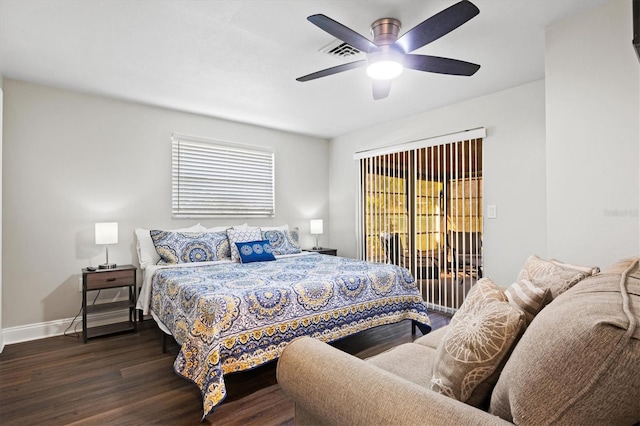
(127, 380)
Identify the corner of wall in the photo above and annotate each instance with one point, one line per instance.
(1, 113)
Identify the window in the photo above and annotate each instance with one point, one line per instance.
(213, 179)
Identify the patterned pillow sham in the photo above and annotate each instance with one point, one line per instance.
(185, 247)
(480, 338)
(283, 241)
(241, 235)
(147, 254)
(255, 251)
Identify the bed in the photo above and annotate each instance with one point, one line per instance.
(229, 316)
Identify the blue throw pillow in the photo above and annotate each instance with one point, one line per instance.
(255, 251)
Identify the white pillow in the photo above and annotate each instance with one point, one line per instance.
(241, 235)
(275, 228)
(147, 254)
(224, 228)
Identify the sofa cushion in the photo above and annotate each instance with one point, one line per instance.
(578, 361)
(410, 361)
(553, 275)
(479, 338)
(433, 338)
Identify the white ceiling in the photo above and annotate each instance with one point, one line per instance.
(238, 59)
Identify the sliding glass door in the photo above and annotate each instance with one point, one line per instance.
(421, 208)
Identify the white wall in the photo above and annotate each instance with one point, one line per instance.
(561, 157)
(514, 172)
(593, 137)
(1, 173)
(72, 159)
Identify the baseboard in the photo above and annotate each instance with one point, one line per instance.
(25, 333)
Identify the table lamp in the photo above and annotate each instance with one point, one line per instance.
(107, 233)
(315, 227)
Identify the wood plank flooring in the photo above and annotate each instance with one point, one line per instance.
(127, 380)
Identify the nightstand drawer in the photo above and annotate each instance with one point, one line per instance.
(108, 279)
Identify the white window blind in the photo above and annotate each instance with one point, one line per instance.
(212, 179)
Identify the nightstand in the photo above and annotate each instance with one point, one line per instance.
(324, 250)
(100, 279)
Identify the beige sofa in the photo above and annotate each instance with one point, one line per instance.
(577, 362)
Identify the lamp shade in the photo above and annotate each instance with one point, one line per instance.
(315, 226)
(107, 233)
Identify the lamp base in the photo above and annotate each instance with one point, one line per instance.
(107, 266)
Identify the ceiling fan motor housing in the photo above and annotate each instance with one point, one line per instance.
(385, 32)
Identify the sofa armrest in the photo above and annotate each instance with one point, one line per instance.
(334, 387)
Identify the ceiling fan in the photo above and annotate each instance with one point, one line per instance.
(388, 54)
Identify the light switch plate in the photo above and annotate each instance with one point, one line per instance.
(492, 211)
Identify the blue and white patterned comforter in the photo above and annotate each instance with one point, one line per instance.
(231, 317)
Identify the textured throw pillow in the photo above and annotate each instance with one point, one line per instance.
(589, 270)
(578, 363)
(480, 337)
(186, 247)
(147, 254)
(528, 298)
(255, 251)
(241, 235)
(620, 266)
(283, 241)
(552, 275)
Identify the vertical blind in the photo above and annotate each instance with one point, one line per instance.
(211, 179)
(420, 207)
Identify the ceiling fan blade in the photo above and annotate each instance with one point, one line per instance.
(345, 34)
(440, 65)
(438, 25)
(333, 70)
(381, 89)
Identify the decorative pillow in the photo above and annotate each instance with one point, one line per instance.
(255, 251)
(481, 335)
(147, 254)
(589, 270)
(283, 242)
(528, 298)
(185, 247)
(241, 235)
(620, 266)
(553, 276)
(578, 363)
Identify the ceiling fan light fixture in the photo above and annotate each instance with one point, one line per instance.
(388, 54)
(384, 69)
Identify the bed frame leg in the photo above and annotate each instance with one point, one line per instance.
(423, 328)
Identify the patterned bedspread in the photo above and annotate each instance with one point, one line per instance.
(232, 317)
